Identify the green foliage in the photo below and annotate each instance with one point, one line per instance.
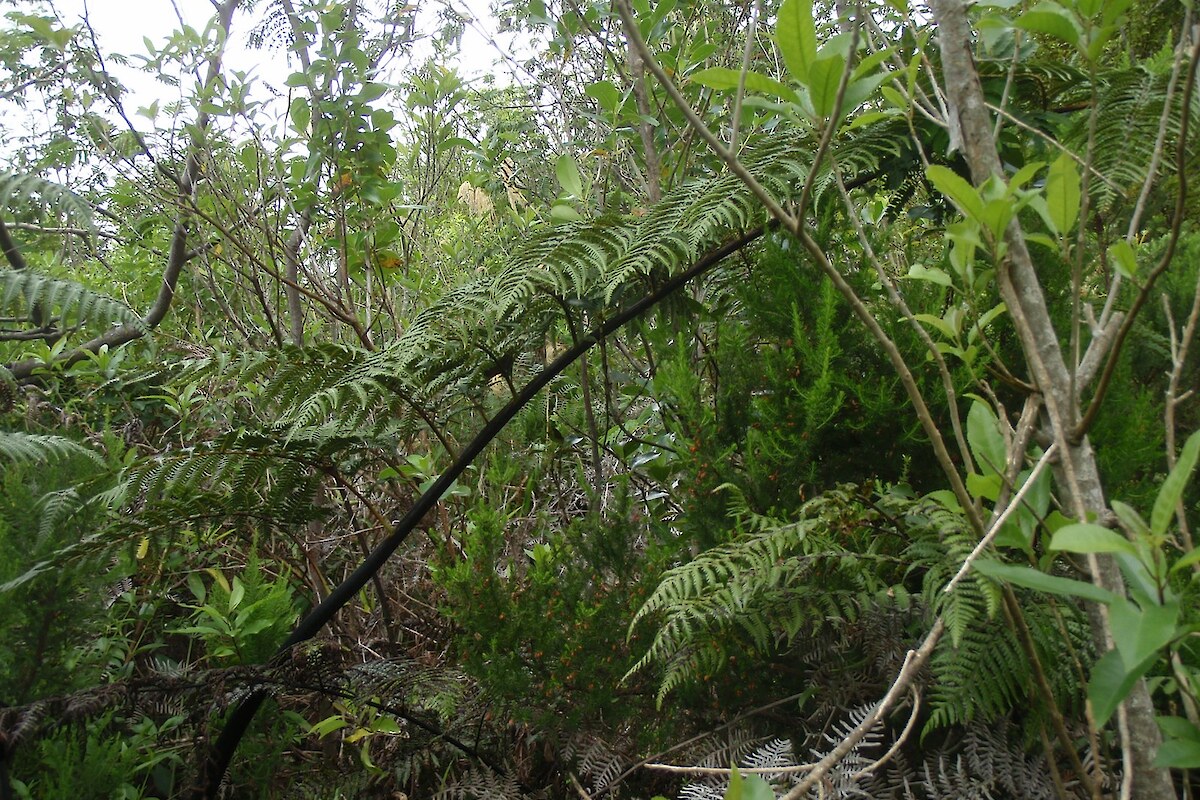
(838, 561)
(242, 621)
(28, 189)
(538, 627)
(31, 447)
(60, 304)
(109, 759)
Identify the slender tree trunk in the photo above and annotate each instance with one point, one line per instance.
(1077, 474)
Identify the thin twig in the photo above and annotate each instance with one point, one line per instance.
(896, 745)
(994, 528)
(718, 771)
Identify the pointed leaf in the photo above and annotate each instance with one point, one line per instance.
(236, 593)
(796, 35)
(727, 80)
(1131, 520)
(1178, 753)
(1062, 194)
(1050, 584)
(952, 185)
(1110, 683)
(920, 272)
(824, 77)
(1123, 258)
(1173, 486)
(604, 93)
(1052, 20)
(568, 175)
(983, 434)
(1086, 537)
(1140, 633)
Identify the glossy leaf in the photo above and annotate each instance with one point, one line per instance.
(1050, 584)
(1173, 486)
(796, 35)
(1087, 537)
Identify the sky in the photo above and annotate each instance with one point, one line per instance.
(121, 29)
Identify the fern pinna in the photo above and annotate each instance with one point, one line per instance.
(841, 592)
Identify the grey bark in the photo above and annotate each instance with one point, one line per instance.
(1077, 473)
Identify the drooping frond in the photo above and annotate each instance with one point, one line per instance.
(776, 581)
(19, 190)
(62, 304)
(42, 448)
(1127, 117)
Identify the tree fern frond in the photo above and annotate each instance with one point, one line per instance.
(19, 190)
(1127, 118)
(42, 448)
(72, 303)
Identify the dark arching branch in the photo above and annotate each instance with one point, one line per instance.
(212, 772)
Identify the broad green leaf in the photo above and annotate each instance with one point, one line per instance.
(986, 487)
(796, 35)
(1113, 9)
(1053, 20)
(895, 98)
(996, 215)
(985, 319)
(1187, 560)
(1110, 683)
(1097, 39)
(1062, 194)
(196, 584)
(920, 272)
(1089, 8)
(371, 91)
(568, 175)
(1178, 728)
(824, 77)
(868, 63)
(751, 787)
(942, 326)
(1086, 537)
(1015, 536)
(987, 443)
(560, 212)
(301, 114)
(1024, 175)
(1140, 633)
(236, 593)
(954, 186)
(1130, 519)
(604, 93)
(860, 90)
(727, 80)
(328, 725)
(1141, 584)
(1123, 258)
(1173, 486)
(1179, 754)
(1050, 584)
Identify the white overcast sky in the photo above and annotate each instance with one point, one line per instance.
(122, 25)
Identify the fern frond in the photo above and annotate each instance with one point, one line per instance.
(43, 448)
(25, 189)
(70, 302)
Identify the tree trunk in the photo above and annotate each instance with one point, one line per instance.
(1076, 473)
